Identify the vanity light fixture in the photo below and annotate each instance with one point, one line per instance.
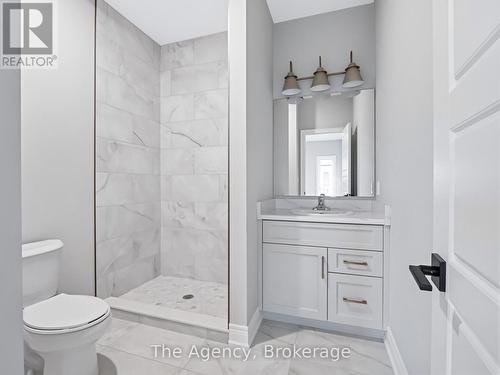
(320, 81)
(352, 75)
(352, 79)
(291, 86)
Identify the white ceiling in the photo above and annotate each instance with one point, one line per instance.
(167, 21)
(286, 10)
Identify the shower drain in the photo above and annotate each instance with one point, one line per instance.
(187, 296)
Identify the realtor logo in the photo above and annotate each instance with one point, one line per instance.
(27, 35)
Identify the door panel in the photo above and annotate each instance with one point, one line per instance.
(474, 24)
(466, 298)
(465, 359)
(477, 197)
(476, 94)
(466, 319)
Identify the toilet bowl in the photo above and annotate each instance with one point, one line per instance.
(61, 328)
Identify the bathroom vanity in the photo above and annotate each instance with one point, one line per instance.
(325, 269)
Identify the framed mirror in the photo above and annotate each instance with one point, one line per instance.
(325, 144)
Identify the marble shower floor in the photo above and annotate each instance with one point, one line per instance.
(209, 298)
(126, 350)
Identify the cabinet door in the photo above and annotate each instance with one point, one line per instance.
(295, 280)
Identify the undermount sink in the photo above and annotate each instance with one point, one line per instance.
(322, 213)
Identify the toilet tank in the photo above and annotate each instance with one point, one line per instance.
(41, 263)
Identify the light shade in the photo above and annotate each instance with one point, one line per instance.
(291, 86)
(320, 81)
(352, 76)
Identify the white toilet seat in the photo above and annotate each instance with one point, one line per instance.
(65, 313)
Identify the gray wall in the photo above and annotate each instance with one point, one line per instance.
(404, 164)
(251, 151)
(237, 51)
(58, 148)
(331, 35)
(282, 157)
(11, 326)
(324, 112)
(259, 131)
(194, 164)
(363, 122)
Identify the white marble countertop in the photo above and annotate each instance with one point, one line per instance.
(359, 217)
(354, 213)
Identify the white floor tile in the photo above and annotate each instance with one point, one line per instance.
(128, 345)
(129, 364)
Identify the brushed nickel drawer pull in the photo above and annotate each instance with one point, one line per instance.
(360, 301)
(355, 263)
(322, 267)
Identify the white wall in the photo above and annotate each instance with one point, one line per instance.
(11, 326)
(331, 35)
(58, 147)
(251, 131)
(404, 164)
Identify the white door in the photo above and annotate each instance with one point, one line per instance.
(346, 160)
(466, 319)
(295, 280)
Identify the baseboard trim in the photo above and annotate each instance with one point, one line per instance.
(244, 335)
(368, 333)
(398, 365)
(254, 325)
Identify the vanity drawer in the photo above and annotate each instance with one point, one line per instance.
(355, 300)
(355, 262)
(346, 236)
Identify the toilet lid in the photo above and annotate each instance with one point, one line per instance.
(64, 312)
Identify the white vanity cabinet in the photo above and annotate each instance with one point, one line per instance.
(324, 271)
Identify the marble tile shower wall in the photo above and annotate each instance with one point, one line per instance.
(127, 155)
(194, 128)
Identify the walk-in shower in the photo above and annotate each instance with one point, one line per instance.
(161, 172)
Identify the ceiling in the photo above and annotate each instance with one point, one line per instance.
(286, 10)
(167, 21)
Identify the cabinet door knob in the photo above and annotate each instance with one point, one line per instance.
(322, 267)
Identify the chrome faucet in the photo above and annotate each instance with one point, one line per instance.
(321, 204)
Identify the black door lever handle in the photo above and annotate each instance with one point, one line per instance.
(420, 278)
(437, 271)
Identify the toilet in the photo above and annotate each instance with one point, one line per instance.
(60, 328)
